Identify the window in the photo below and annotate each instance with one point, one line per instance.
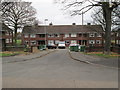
(92, 35)
(32, 35)
(56, 41)
(26, 42)
(73, 35)
(91, 41)
(74, 41)
(98, 42)
(56, 35)
(10, 40)
(66, 35)
(117, 41)
(118, 34)
(7, 40)
(84, 34)
(98, 35)
(7, 33)
(26, 35)
(33, 42)
(41, 35)
(80, 35)
(67, 42)
(50, 41)
(50, 35)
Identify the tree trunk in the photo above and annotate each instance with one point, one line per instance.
(15, 34)
(107, 15)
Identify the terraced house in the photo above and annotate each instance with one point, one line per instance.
(79, 34)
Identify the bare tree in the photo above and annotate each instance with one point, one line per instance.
(98, 18)
(78, 7)
(20, 14)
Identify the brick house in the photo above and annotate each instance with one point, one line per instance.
(6, 36)
(79, 34)
(117, 37)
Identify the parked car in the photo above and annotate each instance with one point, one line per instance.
(51, 46)
(61, 45)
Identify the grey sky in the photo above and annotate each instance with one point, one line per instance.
(46, 9)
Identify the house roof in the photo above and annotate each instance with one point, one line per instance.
(5, 27)
(62, 29)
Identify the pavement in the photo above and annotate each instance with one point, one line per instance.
(96, 60)
(23, 57)
(56, 70)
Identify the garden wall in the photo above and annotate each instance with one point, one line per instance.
(13, 48)
(100, 49)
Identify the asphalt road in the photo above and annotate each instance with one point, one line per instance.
(57, 70)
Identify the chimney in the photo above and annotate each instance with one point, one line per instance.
(73, 23)
(88, 23)
(50, 24)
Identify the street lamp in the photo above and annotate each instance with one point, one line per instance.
(45, 30)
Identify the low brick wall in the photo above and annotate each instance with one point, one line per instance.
(13, 48)
(94, 49)
(100, 49)
(115, 49)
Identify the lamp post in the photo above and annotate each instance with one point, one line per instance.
(45, 30)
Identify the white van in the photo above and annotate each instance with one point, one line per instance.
(61, 44)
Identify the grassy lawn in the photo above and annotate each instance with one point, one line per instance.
(8, 53)
(100, 54)
(19, 42)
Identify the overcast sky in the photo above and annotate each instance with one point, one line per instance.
(47, 9)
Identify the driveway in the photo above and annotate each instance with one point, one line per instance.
(57, 70)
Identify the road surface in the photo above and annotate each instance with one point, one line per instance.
(57, 70)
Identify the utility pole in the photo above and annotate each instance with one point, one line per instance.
(82, 33)
(45, 31)
(82, 18)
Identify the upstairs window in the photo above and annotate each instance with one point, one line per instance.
(92, 35)
(56, 35)
(91, 41)
(50, 35)
(41, 35)
(99, 35)
(32, 35)
(73, 35)
(98, 41)
(66, 35)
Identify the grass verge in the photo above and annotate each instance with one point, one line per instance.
(8, 53)
(100, 54)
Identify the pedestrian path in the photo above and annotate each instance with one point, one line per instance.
(110, 62)
(31, 56)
